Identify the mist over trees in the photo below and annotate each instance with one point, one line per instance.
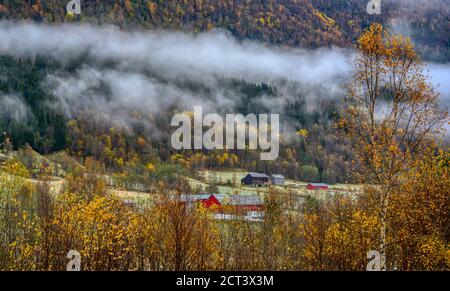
(72, 95)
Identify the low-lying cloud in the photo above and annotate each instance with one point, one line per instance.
(12, 107)
(148, 71)
(173, 54)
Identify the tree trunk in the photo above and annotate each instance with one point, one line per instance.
(383, 218)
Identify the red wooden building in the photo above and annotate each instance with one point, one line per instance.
(317, 186)
(225, 203)
(211, 202)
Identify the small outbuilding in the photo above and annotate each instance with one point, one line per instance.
(277, 180)
(317, 186)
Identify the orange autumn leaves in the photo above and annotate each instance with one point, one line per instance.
(402, 209)
(392, 117)
(331, 234)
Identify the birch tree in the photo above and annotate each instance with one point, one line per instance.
(391, 114)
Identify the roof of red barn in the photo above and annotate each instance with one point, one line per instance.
(238, 200)
(212, 199)
(193, 198)
(318, 184)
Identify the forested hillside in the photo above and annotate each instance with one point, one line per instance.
(38, 110)
(296, 23)
(31, 117)
(299, 23)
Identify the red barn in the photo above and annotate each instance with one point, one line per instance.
(210, 202)
(207, 200)
(226, 203)
(317, 186)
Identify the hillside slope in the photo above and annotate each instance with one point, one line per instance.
(291, 22)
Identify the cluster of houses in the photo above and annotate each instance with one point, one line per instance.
(263, 180)
(247, 207)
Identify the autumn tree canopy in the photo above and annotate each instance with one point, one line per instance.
(391, 114)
